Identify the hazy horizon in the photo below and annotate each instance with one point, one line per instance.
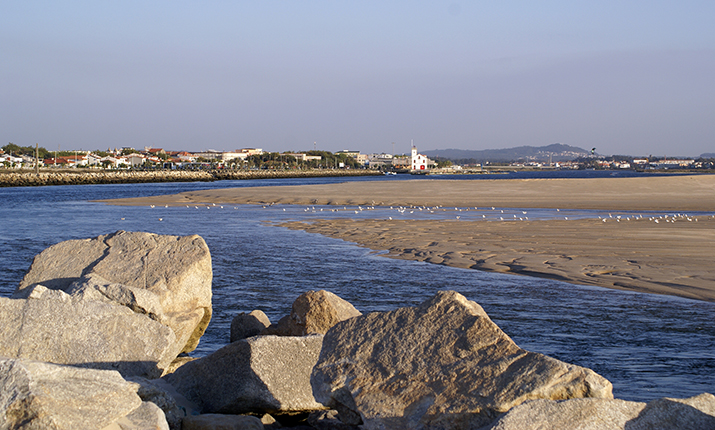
(630, 78)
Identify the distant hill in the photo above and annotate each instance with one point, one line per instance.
(705, 155)
(557, 152)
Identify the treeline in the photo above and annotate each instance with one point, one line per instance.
(42, 152)
(17, 150)
(276, 160)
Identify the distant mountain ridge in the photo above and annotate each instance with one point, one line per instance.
(554, 152)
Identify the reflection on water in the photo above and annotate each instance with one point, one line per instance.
(648, 346)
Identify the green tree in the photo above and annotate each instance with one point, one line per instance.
(11, 148)
(441, 162)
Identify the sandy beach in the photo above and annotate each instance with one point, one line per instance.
(675, 258)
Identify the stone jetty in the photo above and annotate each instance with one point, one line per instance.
(9, 178)
(97, 333)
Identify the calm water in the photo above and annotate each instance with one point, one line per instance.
(648, 346)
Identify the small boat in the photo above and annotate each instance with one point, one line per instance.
(390, 173)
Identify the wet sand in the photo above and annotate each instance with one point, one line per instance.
(637, 255)
(675, 258)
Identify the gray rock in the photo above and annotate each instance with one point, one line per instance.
(247, 325)
(174, 408)
(94, 287)
(583, 414)
(148, 416)
(443, 364)
(54, 327)
(166, 277)
(313, 312)
(328, 420)
(36, 395)
(267, 419)
(694, 413)
(178, 362)
(221, 422)
(255, 375)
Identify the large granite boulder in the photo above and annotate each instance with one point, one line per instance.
(313, 312)
(148, 416)
(443, 364)
(157, 392)
(259, 374)
(55, 327)
(36, 395)
(246, 325)
(694, 413)
(221, 422)
(166, 277)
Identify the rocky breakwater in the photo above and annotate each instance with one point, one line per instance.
(92, 176)
(84, 177)
(95, 322)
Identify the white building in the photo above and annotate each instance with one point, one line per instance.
(12, 160)
(300, 156)
(419, 161)
(224, 157)
(115, 162)
(134, 159)
(93, 159)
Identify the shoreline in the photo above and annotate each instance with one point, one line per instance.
(673, 258)
(89, 176)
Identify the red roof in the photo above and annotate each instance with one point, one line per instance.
(62, 160)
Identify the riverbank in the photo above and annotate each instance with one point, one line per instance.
(91, 176)
(672, 258)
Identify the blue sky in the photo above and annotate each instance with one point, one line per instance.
(626, 77)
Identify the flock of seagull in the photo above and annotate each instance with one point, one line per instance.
(484, 213)
(655, 219)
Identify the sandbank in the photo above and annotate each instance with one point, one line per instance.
(637, 255)
(661, 193)
(675, 258)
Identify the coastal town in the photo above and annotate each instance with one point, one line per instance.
(15, 157)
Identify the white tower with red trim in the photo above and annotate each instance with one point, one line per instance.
(419, 161)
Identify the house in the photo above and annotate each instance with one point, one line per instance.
(115, 162)
(185, 156)
(420, 162)
(93, 159)
(60, 161)
(134, 159)
(154, 151)
(11, 160)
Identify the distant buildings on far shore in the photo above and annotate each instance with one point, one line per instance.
(415, 162)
